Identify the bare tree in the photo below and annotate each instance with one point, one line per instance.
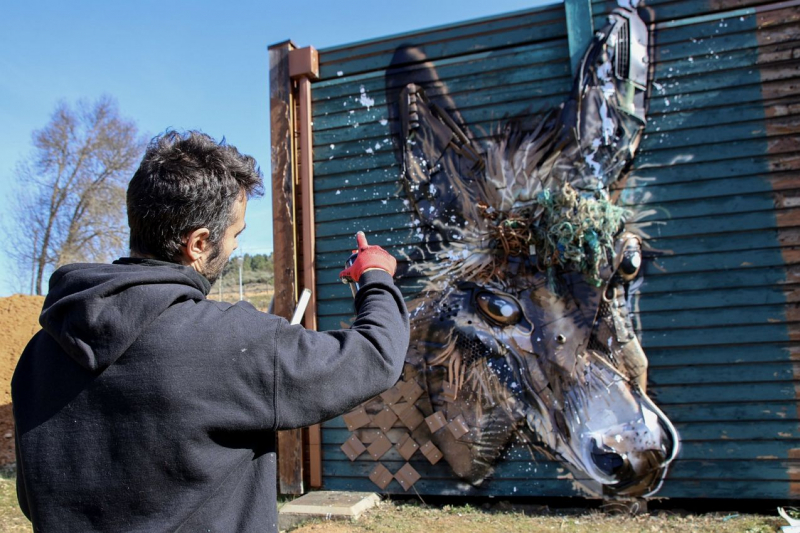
(71, 198)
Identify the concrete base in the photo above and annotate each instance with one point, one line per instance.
(327, 505)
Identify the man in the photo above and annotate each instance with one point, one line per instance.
(143, 406)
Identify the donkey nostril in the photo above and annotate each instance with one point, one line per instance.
(608, 462)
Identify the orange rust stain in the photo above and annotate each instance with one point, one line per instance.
(794, 353)
(778, 34)
(794, 473)
(779, 89)
(790, 257)
(783, 181)
(783, 162)
(792, 294)
(783, 144)
(778, 17)
(787, 218)
(782, 109)
(789, 199)
(783, 125)
(793, 274)
(793, 313)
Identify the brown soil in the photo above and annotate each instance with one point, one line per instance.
(19, 320)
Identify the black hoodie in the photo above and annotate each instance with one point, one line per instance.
(143, 406)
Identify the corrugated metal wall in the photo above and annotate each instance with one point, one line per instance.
(717, 173)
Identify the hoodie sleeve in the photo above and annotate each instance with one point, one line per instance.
(319, 375)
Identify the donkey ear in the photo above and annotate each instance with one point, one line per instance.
(602, 122)
(442, 169)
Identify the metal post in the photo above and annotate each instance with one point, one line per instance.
(284, 230)
(580, 29)
(304, 67)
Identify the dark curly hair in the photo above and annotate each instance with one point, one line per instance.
(186, 181)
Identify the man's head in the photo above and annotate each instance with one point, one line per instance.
(187, 200)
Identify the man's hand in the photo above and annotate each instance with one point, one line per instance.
(369, 258)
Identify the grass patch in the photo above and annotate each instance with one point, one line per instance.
(411, 518)
(405, 517)
(11, 518)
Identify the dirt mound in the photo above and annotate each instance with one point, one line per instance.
(19, 320)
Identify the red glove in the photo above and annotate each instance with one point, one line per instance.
(369, 257)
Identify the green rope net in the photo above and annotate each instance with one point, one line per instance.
(575, 231)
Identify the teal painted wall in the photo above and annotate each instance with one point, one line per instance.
(710, 183)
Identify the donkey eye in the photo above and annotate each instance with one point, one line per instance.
(500, 310)
(629, 266)
(631, 260)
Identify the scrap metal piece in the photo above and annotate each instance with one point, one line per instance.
(458, 427)
(436, 421)
(379, 447)
(407, 476)
(353, 447)
(381, 476)
(385, 419)
(392, 395)
(411, 391)
(356, 418)
(431, 452)
(406, 447)
(410, 417)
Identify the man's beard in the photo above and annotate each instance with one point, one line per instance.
(214, 265)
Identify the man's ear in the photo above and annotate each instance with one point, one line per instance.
(197, 245)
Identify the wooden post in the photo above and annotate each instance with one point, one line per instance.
(580, 29)
(304, 68)
(290, 443)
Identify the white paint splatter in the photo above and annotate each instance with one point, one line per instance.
(365, 100)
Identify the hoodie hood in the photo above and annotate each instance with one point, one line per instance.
(96, 311)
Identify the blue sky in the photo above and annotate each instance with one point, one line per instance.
(180, 64)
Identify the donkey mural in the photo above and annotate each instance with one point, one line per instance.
(522, 331)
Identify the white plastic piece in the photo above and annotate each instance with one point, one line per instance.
(301, 307)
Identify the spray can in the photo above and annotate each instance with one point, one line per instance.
(353, 285)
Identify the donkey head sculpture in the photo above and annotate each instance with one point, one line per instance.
(522, 330)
